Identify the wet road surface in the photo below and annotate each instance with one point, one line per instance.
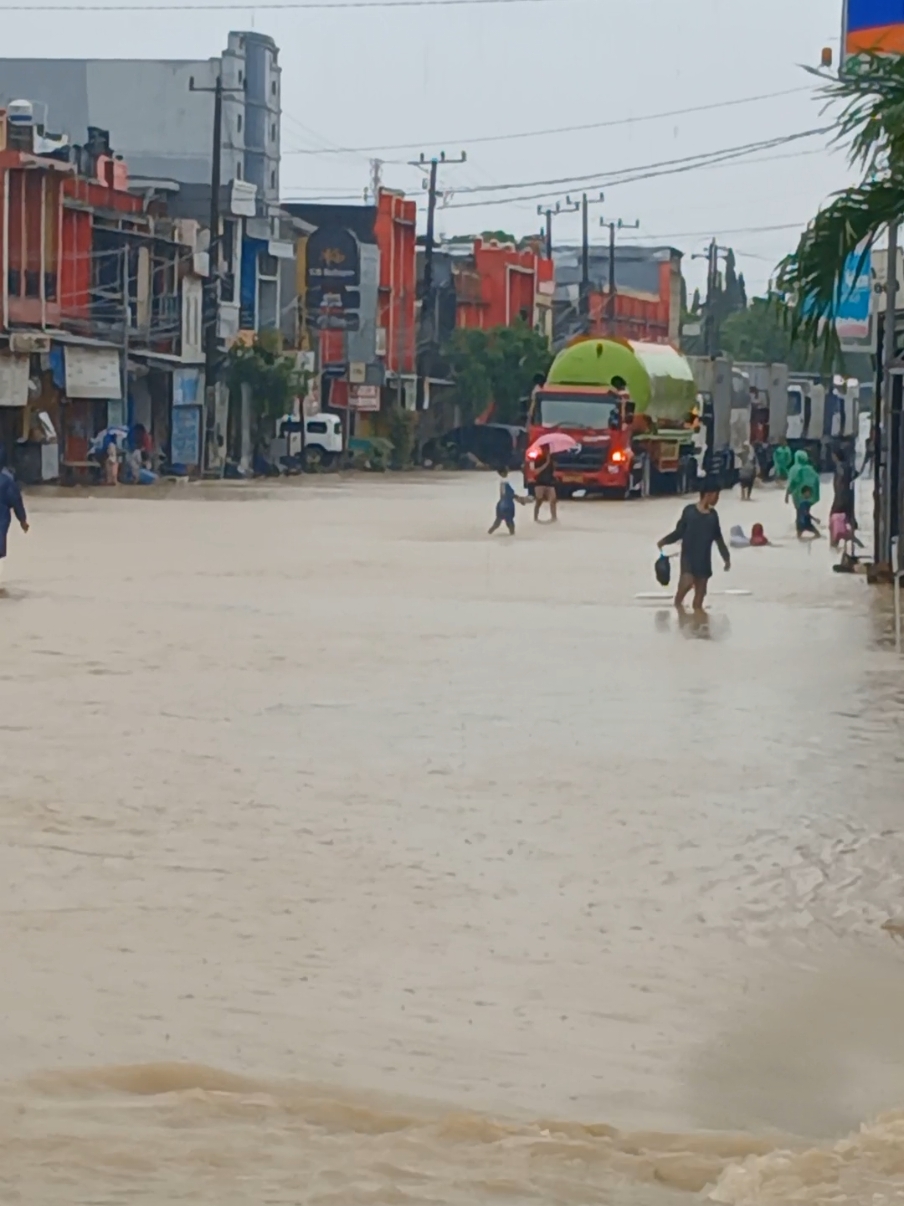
(351, 856)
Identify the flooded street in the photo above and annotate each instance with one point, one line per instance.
(352, 857)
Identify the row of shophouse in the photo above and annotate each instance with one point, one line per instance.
(118, 309)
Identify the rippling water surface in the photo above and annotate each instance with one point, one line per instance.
(349, 856)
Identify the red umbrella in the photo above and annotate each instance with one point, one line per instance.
(555, 441)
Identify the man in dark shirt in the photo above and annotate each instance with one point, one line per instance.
(698, 530)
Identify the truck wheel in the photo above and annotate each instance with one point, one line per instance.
(313, 457)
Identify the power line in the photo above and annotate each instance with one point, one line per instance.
(705, 157)
(264, 6)
(595, 125)
(705, 234)
(650, 172)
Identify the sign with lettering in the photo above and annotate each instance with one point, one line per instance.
(333, 259)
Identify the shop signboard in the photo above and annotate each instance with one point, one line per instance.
(853, 312)
(187, 389)
(93, 372)
(364, 397)
(13, 380)
(185, 436)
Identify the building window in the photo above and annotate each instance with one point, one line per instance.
(273, 88)
(273, 179)
(238, 124)
(273, 132)
(238, 171)
(241, 77)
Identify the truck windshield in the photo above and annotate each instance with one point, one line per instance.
(576, 410)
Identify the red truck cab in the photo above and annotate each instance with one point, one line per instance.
(601, 420)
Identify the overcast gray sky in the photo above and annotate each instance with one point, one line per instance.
(439, 77)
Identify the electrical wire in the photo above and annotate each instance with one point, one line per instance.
(264, 6)
(594, 125)
(704, 157)
(650, 172)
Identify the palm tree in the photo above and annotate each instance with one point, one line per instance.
(872, 123)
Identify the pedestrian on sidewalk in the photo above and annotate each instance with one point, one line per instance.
(698, 530)
(505, 505)
(545, 487)
(10, 504)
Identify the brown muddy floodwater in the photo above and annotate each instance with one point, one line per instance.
(352, 857)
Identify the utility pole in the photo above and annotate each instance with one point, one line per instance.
(376, 178)
(428, 302)
(712, 284)
(621, 224)
(126, 325)
(212, 290)
(584, 207)
(884, 501)
(549, 213)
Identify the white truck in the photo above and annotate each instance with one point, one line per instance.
(823, 413)
(317, 445)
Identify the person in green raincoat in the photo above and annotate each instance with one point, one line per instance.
(802, 477)
(781, 461)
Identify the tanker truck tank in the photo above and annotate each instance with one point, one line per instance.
(659, 380)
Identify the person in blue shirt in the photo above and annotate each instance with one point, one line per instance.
(10, 504)
(505, 506)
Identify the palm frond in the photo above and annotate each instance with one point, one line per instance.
(872, 120)
(813, 274)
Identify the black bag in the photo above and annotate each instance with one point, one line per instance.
(663, 570)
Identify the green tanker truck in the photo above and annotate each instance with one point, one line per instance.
(632, 409)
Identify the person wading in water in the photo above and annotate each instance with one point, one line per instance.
(698, 530)
(545, 487)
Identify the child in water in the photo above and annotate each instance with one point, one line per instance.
(805, 521)
(505, 506)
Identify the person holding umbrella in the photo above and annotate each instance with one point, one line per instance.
(545, 487)
(540, 456)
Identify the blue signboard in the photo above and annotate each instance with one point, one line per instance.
(852, 313)
(186, 387)
(185, 436)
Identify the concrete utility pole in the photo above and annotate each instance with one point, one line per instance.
(621, 224)
(712, 284)
(549, 213)
(376, 178)
(569, 207)
(584, 206)
(884, 483)
(126, 327)
(428, 303)
(212, 289)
